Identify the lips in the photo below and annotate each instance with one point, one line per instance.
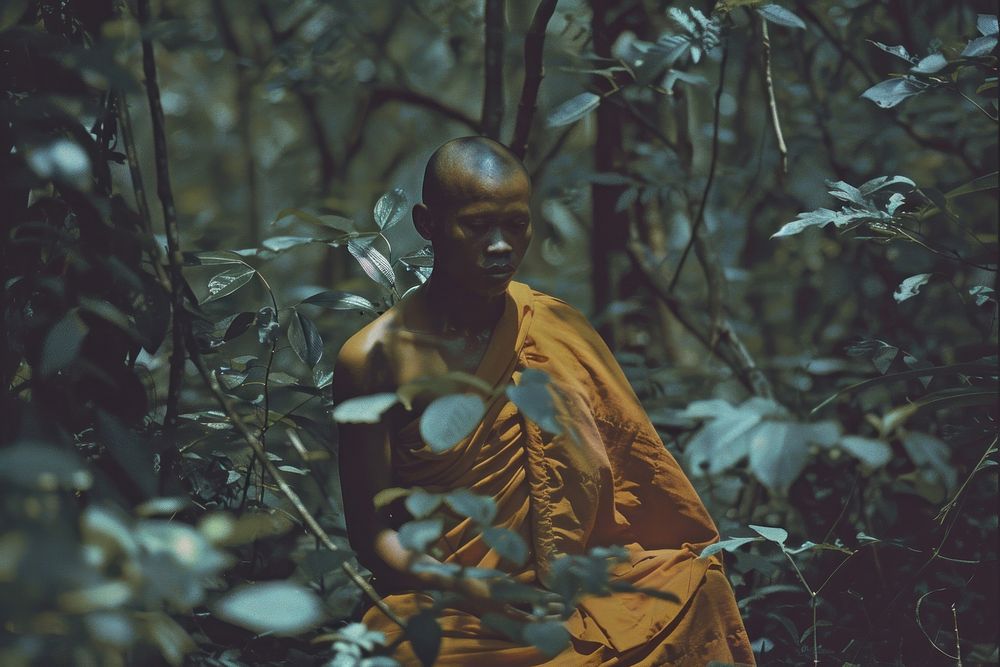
(499, 269)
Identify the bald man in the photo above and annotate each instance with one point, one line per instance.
(606, 480)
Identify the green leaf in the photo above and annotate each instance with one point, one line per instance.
(778, 453)
(533, 398)
(781, 16)
(935, 62)
(732, 544)
(279, 243)
(305, 339)
(987, 24)
(573, 109)
(375, 265)
(822, 217)
(898, 51)
(982, 293)
(449, 419)
(980, 46)
(424, 634)
(888, 94)
(873, 453)
(925, 450)
(549, 637)
(212, 258)
(507, 544)
(334, 222)
(979, 184)
(722, 442)
(342, 301)
(37, 465)
(279, 607)
(62, 343)
(227, 282)
(240, 324)
(481, 509)
(418, 535)
(771, 533)
(422, 504)
(910, 287)
(957, 397)
(874, 185)
(364, 409)
(390, 208)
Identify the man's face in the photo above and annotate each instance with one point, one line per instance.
(480, 238)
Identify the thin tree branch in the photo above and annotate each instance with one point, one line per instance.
(534, 71)
(163, 191)
(772, 103)
(493, 62)
(700, 216)
(307, 517)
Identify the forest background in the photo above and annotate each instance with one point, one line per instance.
(782, 217)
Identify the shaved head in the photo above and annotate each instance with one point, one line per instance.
(462, 168)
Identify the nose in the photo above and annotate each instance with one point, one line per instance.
(498, 245)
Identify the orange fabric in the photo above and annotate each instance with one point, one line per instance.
(607, 480)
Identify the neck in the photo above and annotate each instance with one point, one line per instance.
(455, 310)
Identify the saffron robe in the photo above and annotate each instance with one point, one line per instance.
(609, 482)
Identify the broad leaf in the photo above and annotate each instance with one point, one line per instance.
(240, 325)
(987, 24)
(732, 544)
(212, 258)
(549, 637)
(771, 533)
(980, 46)
(910, 287)
(421, 504)
(533, 398)
(305, 339)
(881, 182)
(781, 16)
(373, 263)
(778, 453)
(507, 544)
(935, 62)
(418, 535)
(390, 208)
(449, 419)
(279, 243)
(721, 443)
(227, 282)
(573, 109)
(364, 409)
(424, 634)
(898, 51)
(888, 94)
(62, 343)
(873, 453)
(481, 509)
(279, 607)
(342, 301)
(928, 451)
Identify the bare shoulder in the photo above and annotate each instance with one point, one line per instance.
(364, 365)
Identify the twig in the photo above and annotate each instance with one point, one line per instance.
(534, 71)
(958, 641)
(166, 197)
(920, 625)
(492, 117)
(765, 40)
(700, 216)
(317, 530)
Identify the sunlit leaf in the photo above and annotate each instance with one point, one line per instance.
(305, 339)
(390, 208)
(342, 301)
(481, 509)
(422, 504)
(373, 262)
(364, 409)
(280, 607)
(898, 51)
(873, 453)
(935, 62)
(279, 243)
(771, 533)
(732, 544)
(910, 287)
(781, 16)
(449, 419)
(227, 282)
(418, 535)
(573, 109)
(778, 453)
(888, 94)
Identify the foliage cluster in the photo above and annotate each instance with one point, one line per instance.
(199, 519)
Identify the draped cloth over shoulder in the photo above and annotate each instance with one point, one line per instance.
(607, 480)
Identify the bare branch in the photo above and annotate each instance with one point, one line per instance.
(534, 71)
(493, 90)
(166, 197)
(765, 40)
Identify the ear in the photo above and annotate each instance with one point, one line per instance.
(422, 221)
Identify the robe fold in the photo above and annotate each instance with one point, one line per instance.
(607, 480)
